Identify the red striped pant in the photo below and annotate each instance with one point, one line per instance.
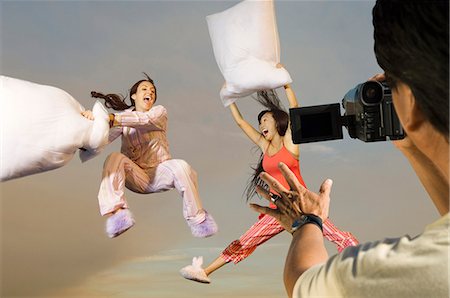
(268, 227)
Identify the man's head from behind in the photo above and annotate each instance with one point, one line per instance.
(411, 45)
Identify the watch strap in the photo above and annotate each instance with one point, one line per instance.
(306, 219)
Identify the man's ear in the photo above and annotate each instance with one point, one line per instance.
(133, 96)
(413, 115)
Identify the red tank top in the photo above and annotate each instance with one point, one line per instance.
(270, 166)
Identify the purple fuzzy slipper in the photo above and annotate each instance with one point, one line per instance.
(206, 228)
(119, 223)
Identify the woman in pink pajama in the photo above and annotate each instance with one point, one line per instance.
(144, 164)
(275, 141)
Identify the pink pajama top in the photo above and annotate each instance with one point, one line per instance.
(144, 139)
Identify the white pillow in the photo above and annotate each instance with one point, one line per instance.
(42, 128)
(247, 49)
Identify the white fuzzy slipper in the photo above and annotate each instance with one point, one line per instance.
(195, 271)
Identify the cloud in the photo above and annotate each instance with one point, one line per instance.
(157, 276)
(318, 148)
(159, 258)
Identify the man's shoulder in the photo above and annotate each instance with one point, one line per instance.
(381, 267)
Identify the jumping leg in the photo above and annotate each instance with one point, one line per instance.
(176, 173)
(119, 171)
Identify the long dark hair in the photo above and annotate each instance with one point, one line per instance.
(270, 100)
(116, 101)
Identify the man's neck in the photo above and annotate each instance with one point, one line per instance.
(438, 154)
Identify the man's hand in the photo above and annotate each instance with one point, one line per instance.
(307, 248)
(379, 77)
(291, 204)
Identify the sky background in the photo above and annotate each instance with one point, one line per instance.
(52, 238)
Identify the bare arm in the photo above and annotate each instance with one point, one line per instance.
(289, 92)
(306, 250)
(254, 135)
(292, 99)
(291, 96)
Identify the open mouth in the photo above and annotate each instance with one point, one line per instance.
(147, 98)
(265, 132)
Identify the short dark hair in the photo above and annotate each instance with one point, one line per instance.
(411, 46)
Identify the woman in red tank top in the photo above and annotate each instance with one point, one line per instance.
(275, 141)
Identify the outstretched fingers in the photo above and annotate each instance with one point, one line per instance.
(325, 188)
(273, 183)
(266, 210)
(279, 201)
(263, 193)
(297, 189)
(324, 195)
(291, 178)
(284, 203)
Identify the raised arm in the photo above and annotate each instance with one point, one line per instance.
(288, 136)
(289, 92)
(254, 135)
(291, 96)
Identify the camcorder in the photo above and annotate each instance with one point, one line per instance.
(369, 116)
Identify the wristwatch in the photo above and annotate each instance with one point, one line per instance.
(306, 219)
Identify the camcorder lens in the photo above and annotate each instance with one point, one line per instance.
(372, 93)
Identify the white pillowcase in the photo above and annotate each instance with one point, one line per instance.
(247, 49)
(42, 128)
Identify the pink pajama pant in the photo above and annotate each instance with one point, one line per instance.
(268, 227)
(120, 172)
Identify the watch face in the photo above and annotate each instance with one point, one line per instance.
(303, 218)
(299, 222)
